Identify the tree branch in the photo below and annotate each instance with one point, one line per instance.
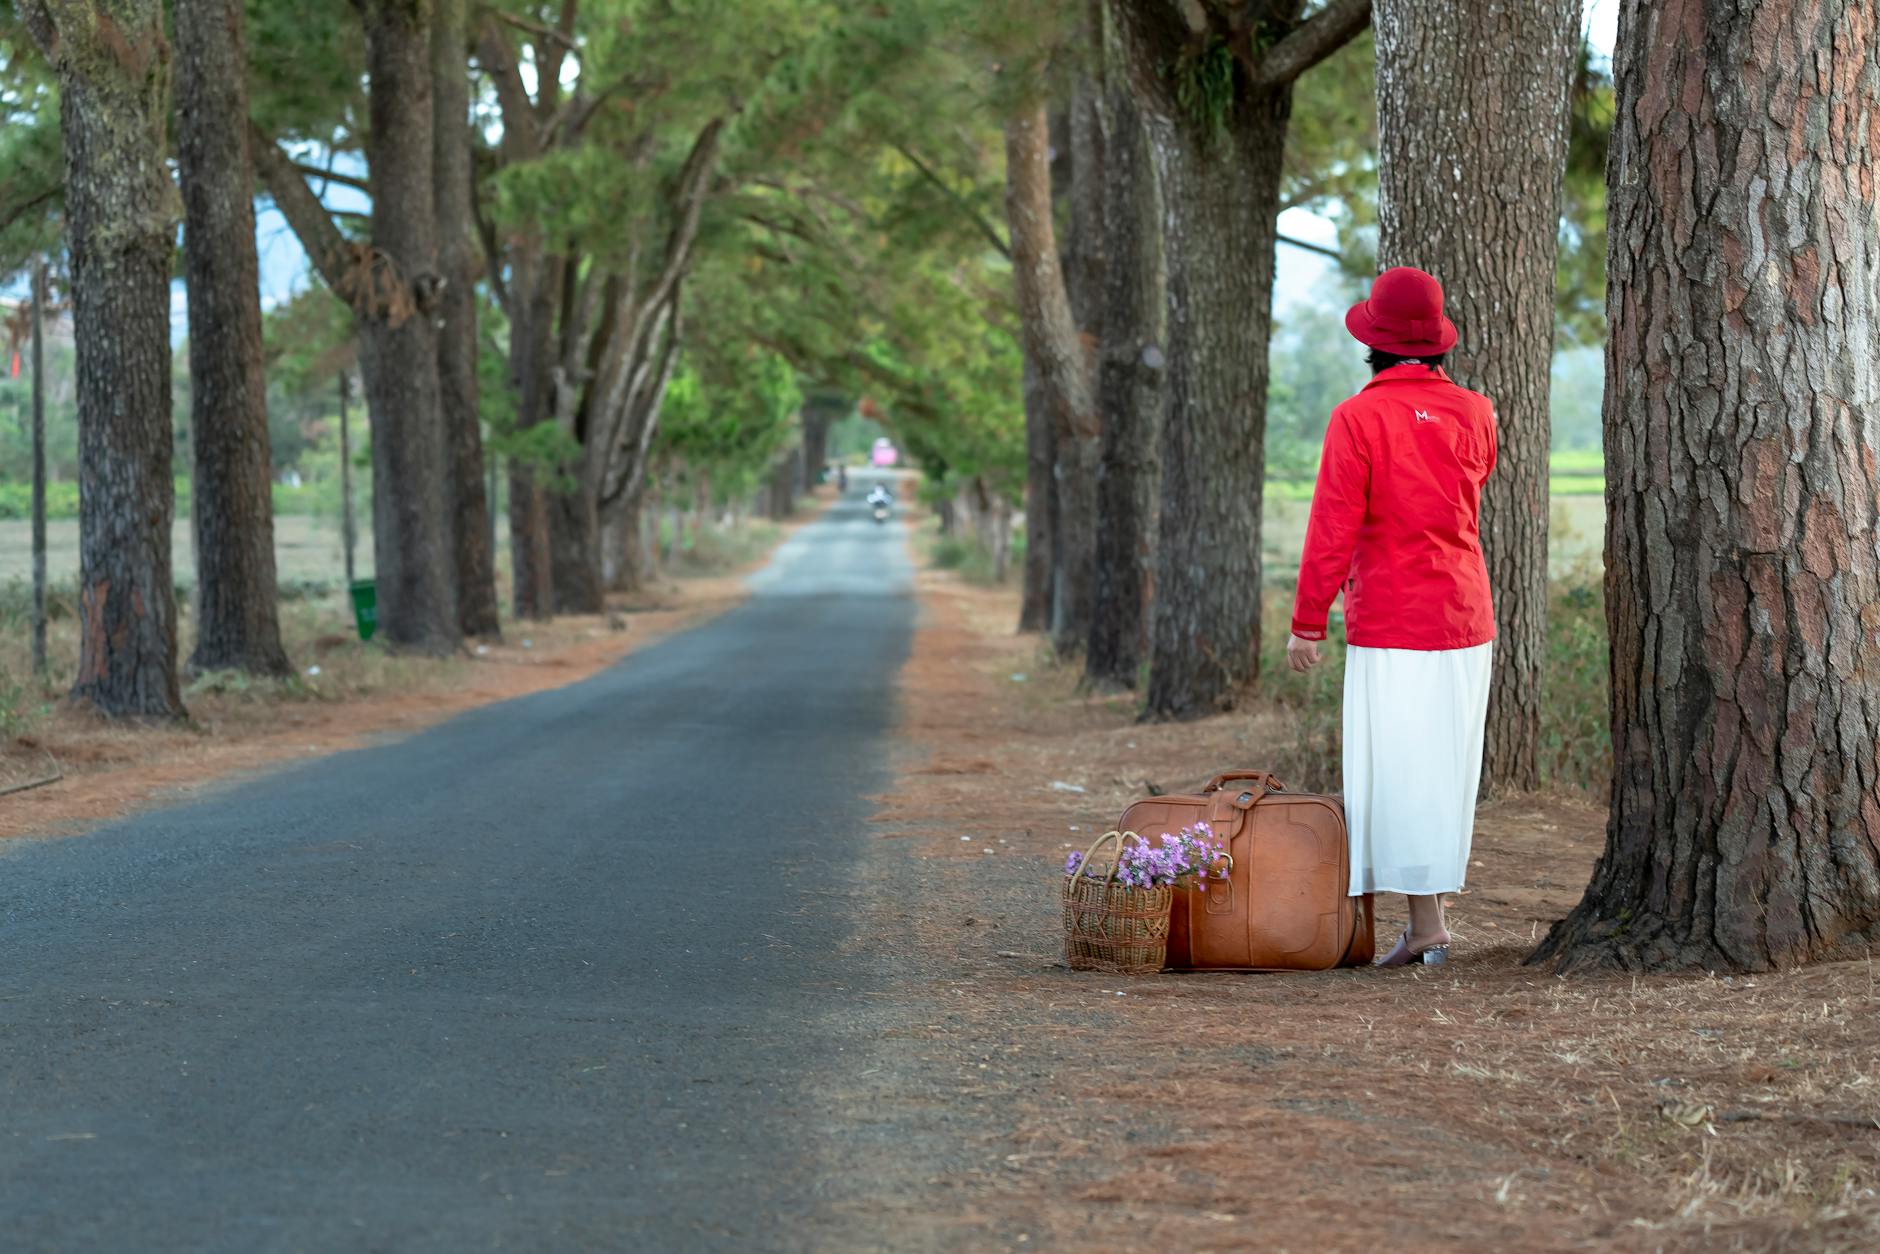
(333, 176)
(492, 249)
(978, 219)
(1320, 249)
(780, 227)
(539, 29)
(326, 247)
(1309, 43)
(1051, 333)
(15, 212)
(694, 181)
(520, 140)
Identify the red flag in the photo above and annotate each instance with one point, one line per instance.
(16, 363)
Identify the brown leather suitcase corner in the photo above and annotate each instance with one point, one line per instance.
(1282, 905)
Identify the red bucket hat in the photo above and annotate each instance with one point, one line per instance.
(1404, 315)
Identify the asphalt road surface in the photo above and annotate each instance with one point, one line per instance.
(558, 974)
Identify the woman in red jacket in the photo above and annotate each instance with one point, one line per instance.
(1395, 527)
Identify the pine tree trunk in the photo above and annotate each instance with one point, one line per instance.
(1479, 207)
(782, 491)
(649, 536)
(474, 564)
(1053, 340)
(575, 535)
(1205, 633)
(1218, 153)
(819, 413)
(1742, 414)
(232, 513)
(531, 352)
(1129, 395)
(120, 214)
(1034, 612)
(625, 546)
(1001, 538)
(702, 498)
(39, 468)
(411, 536)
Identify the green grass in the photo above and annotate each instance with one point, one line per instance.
(1577, 461)
(1571, 472)
(964, 553)
(1577, 530)
(16, 499)
(1576, 485)
(307, 549)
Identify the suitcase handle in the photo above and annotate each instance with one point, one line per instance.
(1272, 784)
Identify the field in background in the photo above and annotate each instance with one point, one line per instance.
(1577, 533)
(306, 550)
(341, 689)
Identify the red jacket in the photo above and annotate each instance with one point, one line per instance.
(1395, 517)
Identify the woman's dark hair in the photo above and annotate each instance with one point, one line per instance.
(1378, 359)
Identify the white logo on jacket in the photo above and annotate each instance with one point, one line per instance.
(1423, 415)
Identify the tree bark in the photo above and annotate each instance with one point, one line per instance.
(626, 545)
(112, 64)
(413, 556)
(1129, 395)
(1222, 166)
(1064, 366)
(348, 529)
(1479, 207)
(531, 548)
(533, 293)
(575, 538)
(39, 467)
(819, 412)
(782, 491)
(1206, 626)
(474, 561)
(1742, 414)
(1034, 612)
(635, 348)
(232, 514)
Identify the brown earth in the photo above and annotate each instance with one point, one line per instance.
(360, 693)
(1481, 1105)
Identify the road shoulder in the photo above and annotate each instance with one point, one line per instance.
(1485, 1104)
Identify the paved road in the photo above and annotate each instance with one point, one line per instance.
(558, 974)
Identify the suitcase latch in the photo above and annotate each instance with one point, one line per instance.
(1219, 893)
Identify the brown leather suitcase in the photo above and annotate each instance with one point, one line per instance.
(1281, 904)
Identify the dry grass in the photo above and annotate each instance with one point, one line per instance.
(1486, 1104)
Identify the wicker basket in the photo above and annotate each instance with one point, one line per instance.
(1113, 927)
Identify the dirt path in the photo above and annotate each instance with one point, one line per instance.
(1484, 1105)
(112, 770)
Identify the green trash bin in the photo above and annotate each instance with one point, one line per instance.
(365, 599)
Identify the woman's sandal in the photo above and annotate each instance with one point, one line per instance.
(1401, 955)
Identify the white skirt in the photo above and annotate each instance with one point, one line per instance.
(1414, 720)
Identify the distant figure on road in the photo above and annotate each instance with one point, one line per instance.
(842, 478)
(1395, 525)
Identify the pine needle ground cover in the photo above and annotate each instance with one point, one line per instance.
(1485, 1104)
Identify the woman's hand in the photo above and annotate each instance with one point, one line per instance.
(1302, 655)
